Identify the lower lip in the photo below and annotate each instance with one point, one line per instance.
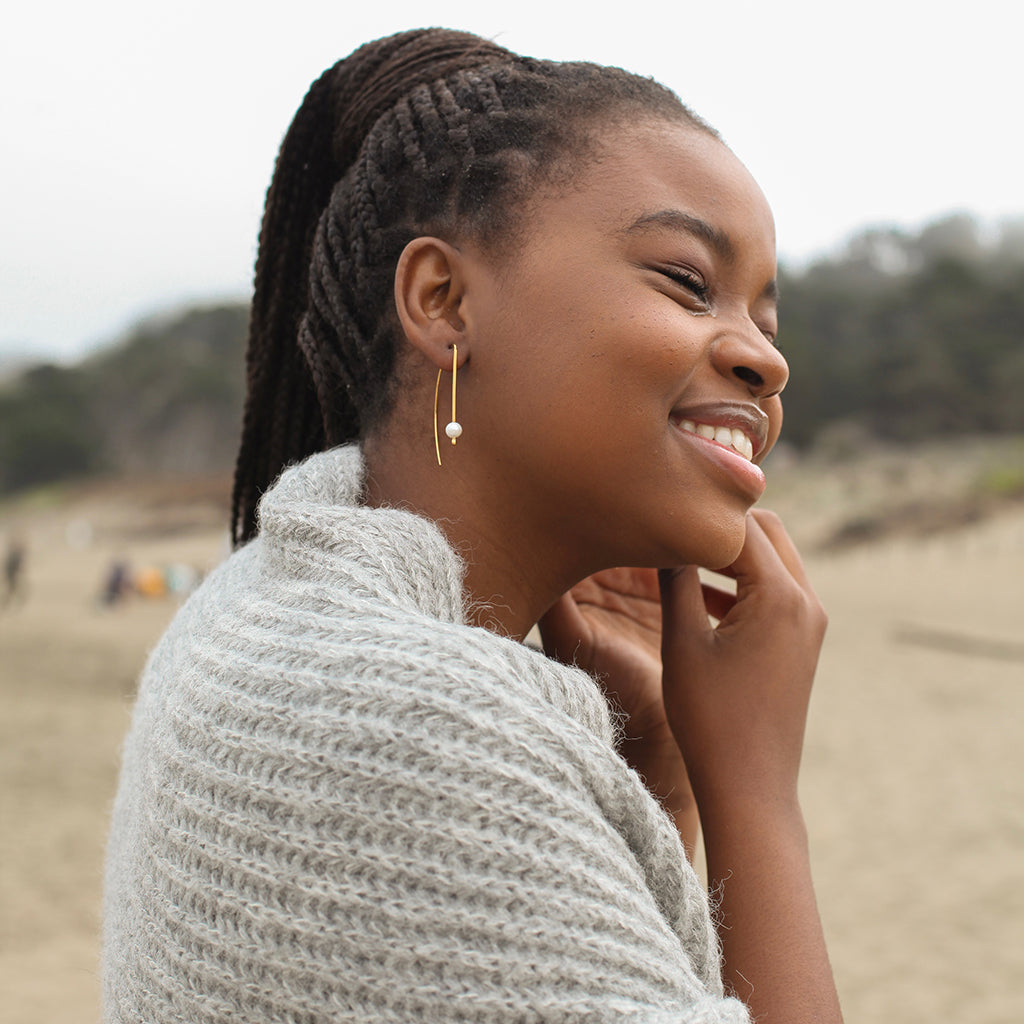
(746, 474)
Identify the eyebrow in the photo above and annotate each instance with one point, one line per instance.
(677, 220)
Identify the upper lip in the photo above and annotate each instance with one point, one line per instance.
(751, 419)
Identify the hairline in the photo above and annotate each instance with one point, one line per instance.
(568, 172)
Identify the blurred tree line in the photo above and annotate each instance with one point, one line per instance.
(908, 337)
(167, 399)
(899, 337)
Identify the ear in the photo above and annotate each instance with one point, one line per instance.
(429, 292)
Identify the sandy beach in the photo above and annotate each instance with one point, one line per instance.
(913, 777)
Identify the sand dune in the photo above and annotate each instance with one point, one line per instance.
(913, 775)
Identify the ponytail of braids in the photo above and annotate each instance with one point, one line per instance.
(283, 421)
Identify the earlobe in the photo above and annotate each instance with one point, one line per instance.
(429, 291)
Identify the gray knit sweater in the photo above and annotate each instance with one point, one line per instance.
(341, 803)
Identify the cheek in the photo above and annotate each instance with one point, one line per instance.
(583, 352)
(773, 407)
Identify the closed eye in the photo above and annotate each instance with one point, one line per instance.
(690, 282)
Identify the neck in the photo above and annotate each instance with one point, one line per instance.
(514, 570)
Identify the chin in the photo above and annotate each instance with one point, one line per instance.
(718, 547)
(721, 558)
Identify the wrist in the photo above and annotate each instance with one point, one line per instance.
(746, 783)
(754, 817)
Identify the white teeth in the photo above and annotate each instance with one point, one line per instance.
(742, 444)
(731, 437)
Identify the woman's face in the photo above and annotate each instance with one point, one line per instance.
(635, 317)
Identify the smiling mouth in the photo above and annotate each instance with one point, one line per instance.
(731, 435)
(728, 437)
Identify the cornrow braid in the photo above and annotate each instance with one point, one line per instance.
(425, 132)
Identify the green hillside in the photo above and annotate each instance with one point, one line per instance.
(165, 400)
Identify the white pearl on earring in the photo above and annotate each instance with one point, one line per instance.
(453, 430)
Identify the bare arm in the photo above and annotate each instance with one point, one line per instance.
(774, 949)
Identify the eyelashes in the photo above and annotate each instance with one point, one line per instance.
(687, 280)
(699, 290)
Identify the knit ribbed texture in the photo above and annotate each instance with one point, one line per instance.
(341, 803)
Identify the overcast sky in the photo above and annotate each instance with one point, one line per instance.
(138, 137)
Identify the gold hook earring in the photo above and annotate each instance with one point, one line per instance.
(454, 428)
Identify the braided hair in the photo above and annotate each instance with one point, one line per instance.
(425, 132)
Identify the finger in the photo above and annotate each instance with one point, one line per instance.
(562, 628)
(717, 602)
(682, 602)
(776, 533)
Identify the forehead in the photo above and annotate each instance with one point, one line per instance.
(660, 176)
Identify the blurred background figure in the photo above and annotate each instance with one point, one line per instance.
(15, 587)
(116, 583)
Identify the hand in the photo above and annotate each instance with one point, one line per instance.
(736, 694)
(736, 697)
(610, 626)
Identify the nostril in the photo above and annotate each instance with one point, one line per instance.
(749, 377)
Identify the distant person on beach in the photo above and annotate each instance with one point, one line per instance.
(117, 583)
(351, 791)
(15, 588)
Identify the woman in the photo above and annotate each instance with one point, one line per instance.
(350, 792)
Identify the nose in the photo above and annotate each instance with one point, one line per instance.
(749, 357)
